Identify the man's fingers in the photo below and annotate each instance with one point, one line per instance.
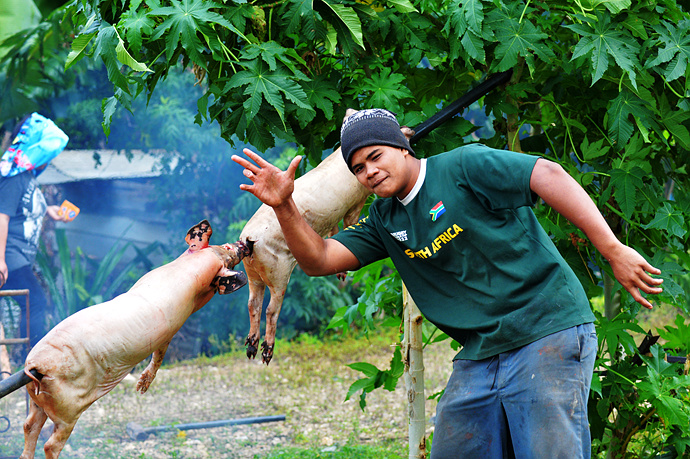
(255, 157)
(640, 299)
(651, 269)
(241, 161)
(292, 168)
(248, 164)
(650, 289)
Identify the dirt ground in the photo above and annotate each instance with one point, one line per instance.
(306, 384)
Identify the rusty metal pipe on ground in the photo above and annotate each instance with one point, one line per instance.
(137, 432)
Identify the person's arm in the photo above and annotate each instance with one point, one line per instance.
(315, 255)
(4, 230)
(562, 192)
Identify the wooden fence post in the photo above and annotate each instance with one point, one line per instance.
(414, 376)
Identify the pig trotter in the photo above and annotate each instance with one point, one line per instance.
(252, 344)
(266, 353)
(145, 381)
(229, 283)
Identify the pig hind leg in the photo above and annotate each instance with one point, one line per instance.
(32, 429)
(257, 288)
(57, 440)
(272, 313)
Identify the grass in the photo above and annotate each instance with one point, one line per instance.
(307, 382)
(346, 452)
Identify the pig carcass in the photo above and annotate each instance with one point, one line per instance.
(325, 195)
(89, 353)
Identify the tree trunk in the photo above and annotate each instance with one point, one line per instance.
(414, 376)
(612, 301)
(513, 119)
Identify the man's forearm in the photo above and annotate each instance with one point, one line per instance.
(315, 255)
(559, 190)
(562, 192)
(305, 244)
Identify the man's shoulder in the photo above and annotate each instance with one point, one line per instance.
(16, 182)
(474, 155)
(381, 205)
(464, 151)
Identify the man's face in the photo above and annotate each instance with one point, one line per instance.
(384, 170)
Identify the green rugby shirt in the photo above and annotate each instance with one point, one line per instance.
(472, 253)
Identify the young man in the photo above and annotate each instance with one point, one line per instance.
(459, 228)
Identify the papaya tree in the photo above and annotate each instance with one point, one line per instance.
(601, 87)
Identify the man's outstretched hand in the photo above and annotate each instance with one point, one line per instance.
(634, 274)
(271, 185)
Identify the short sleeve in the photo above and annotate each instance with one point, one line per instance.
(363, 240)
(499, 178)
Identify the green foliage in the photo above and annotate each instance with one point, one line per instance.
(375, 378)
(381, 294)
(638, 402)
(601, 88)
(75, 281)
(677, 338)
(310, 302)
(344, 452)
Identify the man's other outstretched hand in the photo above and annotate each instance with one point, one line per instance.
(634, 274)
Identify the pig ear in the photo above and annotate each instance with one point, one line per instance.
(198, 236)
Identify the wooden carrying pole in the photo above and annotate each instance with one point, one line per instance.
(414, 376)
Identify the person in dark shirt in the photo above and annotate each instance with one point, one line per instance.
(35, 141)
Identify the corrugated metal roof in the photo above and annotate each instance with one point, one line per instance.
(78, 165)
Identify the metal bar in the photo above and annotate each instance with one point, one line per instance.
(463, 102)
(17, 380)
(136, 432)
(23, 291)
(14, 341)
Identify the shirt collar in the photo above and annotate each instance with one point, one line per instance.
(418, 184)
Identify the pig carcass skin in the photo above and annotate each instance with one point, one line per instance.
(325, 195)
(86, 355)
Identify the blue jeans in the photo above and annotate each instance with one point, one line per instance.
(530, 402)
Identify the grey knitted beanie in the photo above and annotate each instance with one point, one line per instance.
(374, 126)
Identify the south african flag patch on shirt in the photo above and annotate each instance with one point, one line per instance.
(437, 211)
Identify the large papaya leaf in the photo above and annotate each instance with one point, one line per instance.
(676, 49)
(518, 37)
(261, 83)
(601, 40)
(669, 219)
(626, 184)
(620, 125)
